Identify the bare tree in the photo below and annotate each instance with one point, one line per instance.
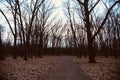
(87, 13)
(12, 6)
(71, 18)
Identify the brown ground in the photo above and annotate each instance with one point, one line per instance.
(60, 68)
(104, 69)
(48, 68)
(65, 68)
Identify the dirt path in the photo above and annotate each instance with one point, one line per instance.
(65, 68)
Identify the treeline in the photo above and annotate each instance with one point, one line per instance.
(103, 50)
(85, 32)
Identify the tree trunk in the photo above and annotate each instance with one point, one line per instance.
(1, 49)
(14, 52)
(26, 48)
(91, 51)
(89, 35)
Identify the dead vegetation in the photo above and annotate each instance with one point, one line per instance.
(20, 69)
(104, 69)
(33, 69)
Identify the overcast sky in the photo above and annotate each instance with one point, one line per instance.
(58, 11)
(58, 4)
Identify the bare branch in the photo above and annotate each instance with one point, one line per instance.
(94, 6)
(106, 16)
(80, 2)
(7, 21)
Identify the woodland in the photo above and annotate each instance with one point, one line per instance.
(90, 30)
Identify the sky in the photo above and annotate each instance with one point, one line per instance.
(59, 8)
(58, 12)
(57, 3)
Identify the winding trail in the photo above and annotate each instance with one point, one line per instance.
(65, 68)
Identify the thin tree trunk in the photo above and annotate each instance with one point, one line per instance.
(1, 49)
(14, 52)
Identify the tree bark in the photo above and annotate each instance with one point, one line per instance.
(89, 35)
(1, 49)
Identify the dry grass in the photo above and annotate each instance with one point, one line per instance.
(104, 69)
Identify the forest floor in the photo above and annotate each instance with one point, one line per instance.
(60, 68)
(104, 69)
(65, 68)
